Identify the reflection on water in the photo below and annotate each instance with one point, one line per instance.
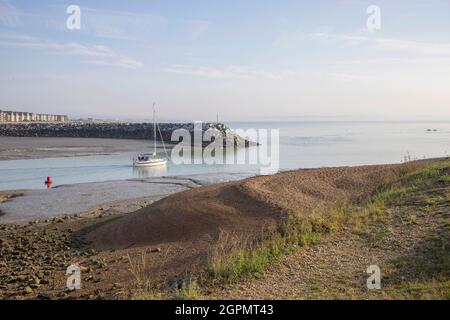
(31, 173)
(149, 172)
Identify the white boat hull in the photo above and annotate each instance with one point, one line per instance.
(150, 163)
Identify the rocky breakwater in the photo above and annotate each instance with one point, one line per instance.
(118, 130)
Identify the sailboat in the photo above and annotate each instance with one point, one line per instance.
(150, 160)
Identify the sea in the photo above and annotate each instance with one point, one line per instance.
(301, 145)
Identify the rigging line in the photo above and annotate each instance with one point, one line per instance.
(162, 140)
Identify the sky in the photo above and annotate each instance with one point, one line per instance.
(245, 60)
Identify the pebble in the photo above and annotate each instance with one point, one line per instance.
(27, 290)
(43, 296)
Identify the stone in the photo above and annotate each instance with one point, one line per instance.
(27, 290)
(36, 281)
(118, 130)
(22, 278)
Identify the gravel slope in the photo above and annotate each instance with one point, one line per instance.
(189, 224)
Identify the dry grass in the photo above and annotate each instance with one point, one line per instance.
(235, 257)
(138, 268)
(144, 287)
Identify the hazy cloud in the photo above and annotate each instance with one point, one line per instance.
(387, 44)
(122, 25)
(102, 54)
(9, 15)
(226, 72)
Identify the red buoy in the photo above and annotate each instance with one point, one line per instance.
(48, 182)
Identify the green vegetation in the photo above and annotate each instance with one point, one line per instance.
(370, 219)
(190, 290)
(420, 193)
(226, 267)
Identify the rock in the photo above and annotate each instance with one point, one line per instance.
(117, 285)
(35, 281)
(83, 268)
(22, 278)
(116, 130)
(27, 290)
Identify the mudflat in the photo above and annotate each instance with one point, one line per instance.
(18, 148)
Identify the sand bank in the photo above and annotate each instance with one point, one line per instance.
(19, 148)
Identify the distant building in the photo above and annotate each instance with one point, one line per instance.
(61, 118)
(16, 116)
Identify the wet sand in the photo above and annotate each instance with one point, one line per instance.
(18, 206)
(19, 148)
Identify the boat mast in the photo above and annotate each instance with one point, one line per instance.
(154, 129)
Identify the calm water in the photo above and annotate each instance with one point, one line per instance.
(302, 145)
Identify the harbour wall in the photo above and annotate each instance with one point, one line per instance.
(117, 130)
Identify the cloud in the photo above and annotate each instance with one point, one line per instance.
(413, 46)
(122, 25)
(9, 15)
(102, 55)
(122, 62)
(386, 44)
(397, 61)
(362, 38)
(226, 72)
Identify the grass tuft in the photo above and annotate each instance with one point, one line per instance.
(229, 263)
(235, 257)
